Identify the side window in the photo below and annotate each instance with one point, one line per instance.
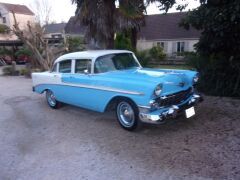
(83, 64)
(54, 69)
(65, 66)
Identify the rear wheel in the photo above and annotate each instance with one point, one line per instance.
(127, 114)
(51, 100)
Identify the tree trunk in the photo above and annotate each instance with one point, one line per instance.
(110, 9)
(134, 38)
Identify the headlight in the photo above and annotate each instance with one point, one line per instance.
(158, 90)
(195, 79)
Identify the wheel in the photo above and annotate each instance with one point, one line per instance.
(127, 114)
(51, 100)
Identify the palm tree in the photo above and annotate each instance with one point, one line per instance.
(104, 18)
(99, 16)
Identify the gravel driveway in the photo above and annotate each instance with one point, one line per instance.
(37, 142)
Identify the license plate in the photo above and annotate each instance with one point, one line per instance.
(190, 112)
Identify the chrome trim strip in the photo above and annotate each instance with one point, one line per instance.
(98, 88)
(146, 107)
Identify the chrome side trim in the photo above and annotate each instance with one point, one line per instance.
(98, 88)
(145, 107)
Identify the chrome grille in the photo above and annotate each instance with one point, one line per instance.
(174, 99)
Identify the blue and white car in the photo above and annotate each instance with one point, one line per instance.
(114, 79)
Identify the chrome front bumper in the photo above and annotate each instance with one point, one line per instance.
(160, 116)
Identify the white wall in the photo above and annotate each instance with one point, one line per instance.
(5, 14)
(22, 20)
(170, 46)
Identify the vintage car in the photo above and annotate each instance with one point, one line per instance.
(100, 80)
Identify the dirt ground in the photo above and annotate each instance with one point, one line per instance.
(37, 142)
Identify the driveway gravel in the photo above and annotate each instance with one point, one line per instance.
(37, 142)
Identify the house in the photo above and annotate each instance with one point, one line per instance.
(164, 30)
(75, 28)
(54, 32)
(23, 15)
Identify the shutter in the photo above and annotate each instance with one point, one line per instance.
(174, 47)
(187, 48)
(165, 46)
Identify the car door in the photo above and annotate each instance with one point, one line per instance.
(79, 81)
(61, 69)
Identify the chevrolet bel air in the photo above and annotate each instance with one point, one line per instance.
(102, 80)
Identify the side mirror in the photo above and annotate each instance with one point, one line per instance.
(86, 71)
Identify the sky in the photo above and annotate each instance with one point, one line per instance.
(62, 10)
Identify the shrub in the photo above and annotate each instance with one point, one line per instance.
(122, 42)
(76, 44)
(25, 72)
(4, 29)
(143, 57)
(157, 53)
(217, 75)
(9, 71)
(23, 52)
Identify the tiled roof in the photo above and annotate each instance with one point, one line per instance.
(55, 28)
(166, 26)
(16, 8)
(75, 27)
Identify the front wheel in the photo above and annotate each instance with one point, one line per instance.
(51, 100)
(127, 114)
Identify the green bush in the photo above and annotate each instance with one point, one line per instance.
(217, 75)
(157, 53)
(75, 44)
(143, 57)
(122, 42)
(4, 29)
(9, 71)
(25, 72)
(5, 52)
(23, 52)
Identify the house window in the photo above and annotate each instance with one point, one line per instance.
(180, 47)
(82, 65)
(160, 44)
(4, 20)
(65, 66)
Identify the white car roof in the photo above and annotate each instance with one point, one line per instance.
(91, 54)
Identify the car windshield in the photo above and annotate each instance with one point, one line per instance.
(113, 62)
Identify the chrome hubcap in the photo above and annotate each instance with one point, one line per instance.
(125, 114)
(51, 98)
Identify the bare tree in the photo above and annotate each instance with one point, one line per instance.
(33, 38)
(42, 10)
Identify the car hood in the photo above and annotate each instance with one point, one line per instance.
(172, 80)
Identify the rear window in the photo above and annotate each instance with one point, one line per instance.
(65, 66)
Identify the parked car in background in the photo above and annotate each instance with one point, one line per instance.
(104, 79)
(7, 60)
(23, 59)
(2, 62)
